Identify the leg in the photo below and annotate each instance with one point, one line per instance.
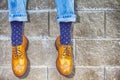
(65, 17)
(17, 14)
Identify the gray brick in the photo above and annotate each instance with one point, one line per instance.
(38, 25)
(31, 4)
(54, 26)
(34, 74)
(113, 24)
(89, 74)
(97, 52)
(91, 25)
(5, 52)
(53, 74)
(112, 73)
(114, 4)
(42, 4)
(82, 4)
(80, 74)
(3, 4)
(42, 52)
(38, 4)
(4, 24)
(52, 4)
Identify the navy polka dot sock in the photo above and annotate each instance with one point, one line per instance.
(16, 36)
(65, 33)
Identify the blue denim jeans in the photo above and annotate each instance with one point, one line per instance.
(17, 10)
(65, 11)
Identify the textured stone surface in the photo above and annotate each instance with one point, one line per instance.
(42, 4)
(113, 24)
(54, 26)
(3, 4)
(114, 4)
(82, 4)
(42, 52)
(5, 52)
(80, 74)
(37, 24)
(97, 52)
(31, 4)
(112, 73)
(53, 74)
(4, 24)
(90, 25)
(52, 4)
(33, 74)
(89, 74)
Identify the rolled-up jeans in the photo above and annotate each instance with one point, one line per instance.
(65, 11)
(17, 10)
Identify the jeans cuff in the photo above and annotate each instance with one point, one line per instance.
(66, 20)
(71, 18)
(18, 17)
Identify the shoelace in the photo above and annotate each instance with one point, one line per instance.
(17, 52)
(66, 51)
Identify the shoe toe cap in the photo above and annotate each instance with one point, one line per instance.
(19, 70)
(65, 69)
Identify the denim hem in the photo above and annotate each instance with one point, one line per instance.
(16, 14)
(66, 20)
(23, 18)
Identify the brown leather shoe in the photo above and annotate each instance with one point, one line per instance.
(64, 60)
(19, 58)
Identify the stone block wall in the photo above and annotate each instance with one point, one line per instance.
(96, 41)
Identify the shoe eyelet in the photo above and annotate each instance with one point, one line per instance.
(21, 57)
(68, 48)
(63, 54)
(19, 53)
(15, 56)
